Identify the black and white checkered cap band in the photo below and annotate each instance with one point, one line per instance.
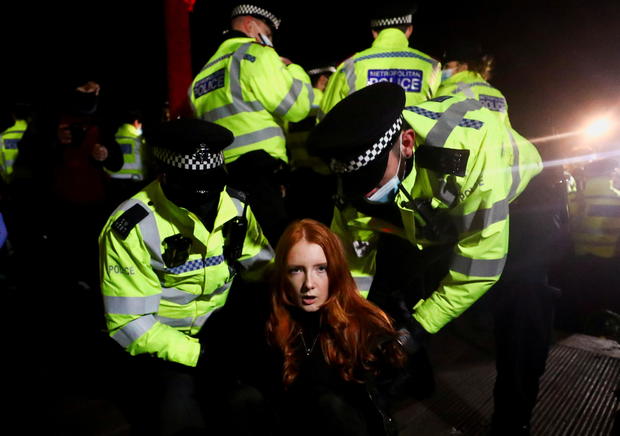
(393, 21)
(255, 10)
(321, 70)
(199, 161)
(370, 154)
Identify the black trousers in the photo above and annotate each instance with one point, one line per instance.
(524, 303)
(523, 314)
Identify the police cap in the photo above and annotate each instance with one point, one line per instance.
(391, 14)
(356, 135)
(317, 71)
(259, 9)
(190, 144)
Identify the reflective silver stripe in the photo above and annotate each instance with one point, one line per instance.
(9, 162)
(235, 72)
(397, 54)
(176, 322)
(477, 267)
(238, 105)
(349, 71)
(516, 173)
(257, 136)
(131, 305)
(177, 296)
(133, 330)
(289, 100)
(180, 297)
(263, 256)
(363, 282)
(215, 61)
(448, 120)
(202, 319)
(232, 109)
(310, 94)
(482, 218)
(225, 287)
(150, 236)
(465, 88)
(125, 176)
(187, 322)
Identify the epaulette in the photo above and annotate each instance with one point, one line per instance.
(235, 193)
(442, 160)
(129, 219)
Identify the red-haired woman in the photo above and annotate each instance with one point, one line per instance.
(335, 345)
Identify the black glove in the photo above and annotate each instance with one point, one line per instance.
(412, 336)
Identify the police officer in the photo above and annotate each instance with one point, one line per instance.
(389, 59)
(424, 194)
(134, 170)
(595, 237)
(466, 71)
(248, 88)
(9, 142)
(522, 301)
(168, 257)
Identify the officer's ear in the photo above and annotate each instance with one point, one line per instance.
(407, 143)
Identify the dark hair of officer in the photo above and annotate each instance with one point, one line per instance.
(471, 53)
(356, 136)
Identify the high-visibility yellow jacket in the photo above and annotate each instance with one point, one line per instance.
(9, 148)
(158, 309)
(296, 136)
(471, 85)
(595, 221)
(472, 208)
(389, 59)
(246, 88)
(132, 145)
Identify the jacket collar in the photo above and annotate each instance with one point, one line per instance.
(391, 38)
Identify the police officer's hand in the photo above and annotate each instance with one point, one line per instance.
(412, 337)
(99, 152)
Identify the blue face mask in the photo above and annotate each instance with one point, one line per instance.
(386, 193)
(446, 74)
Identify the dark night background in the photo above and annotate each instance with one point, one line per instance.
(558, 62)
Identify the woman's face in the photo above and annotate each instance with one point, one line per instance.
(306, 268)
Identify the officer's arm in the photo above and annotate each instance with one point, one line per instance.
(131, 294)
(479, 255)
(284, 90)
(257, 257)
(435, 80)
(337, 89)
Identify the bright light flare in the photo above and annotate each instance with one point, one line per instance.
(598, 128)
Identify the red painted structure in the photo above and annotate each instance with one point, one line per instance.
(179, 55)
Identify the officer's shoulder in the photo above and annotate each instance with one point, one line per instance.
(123, 225)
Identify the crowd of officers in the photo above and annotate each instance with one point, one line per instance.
(411, 160)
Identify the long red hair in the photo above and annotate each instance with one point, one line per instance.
(352, 327)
